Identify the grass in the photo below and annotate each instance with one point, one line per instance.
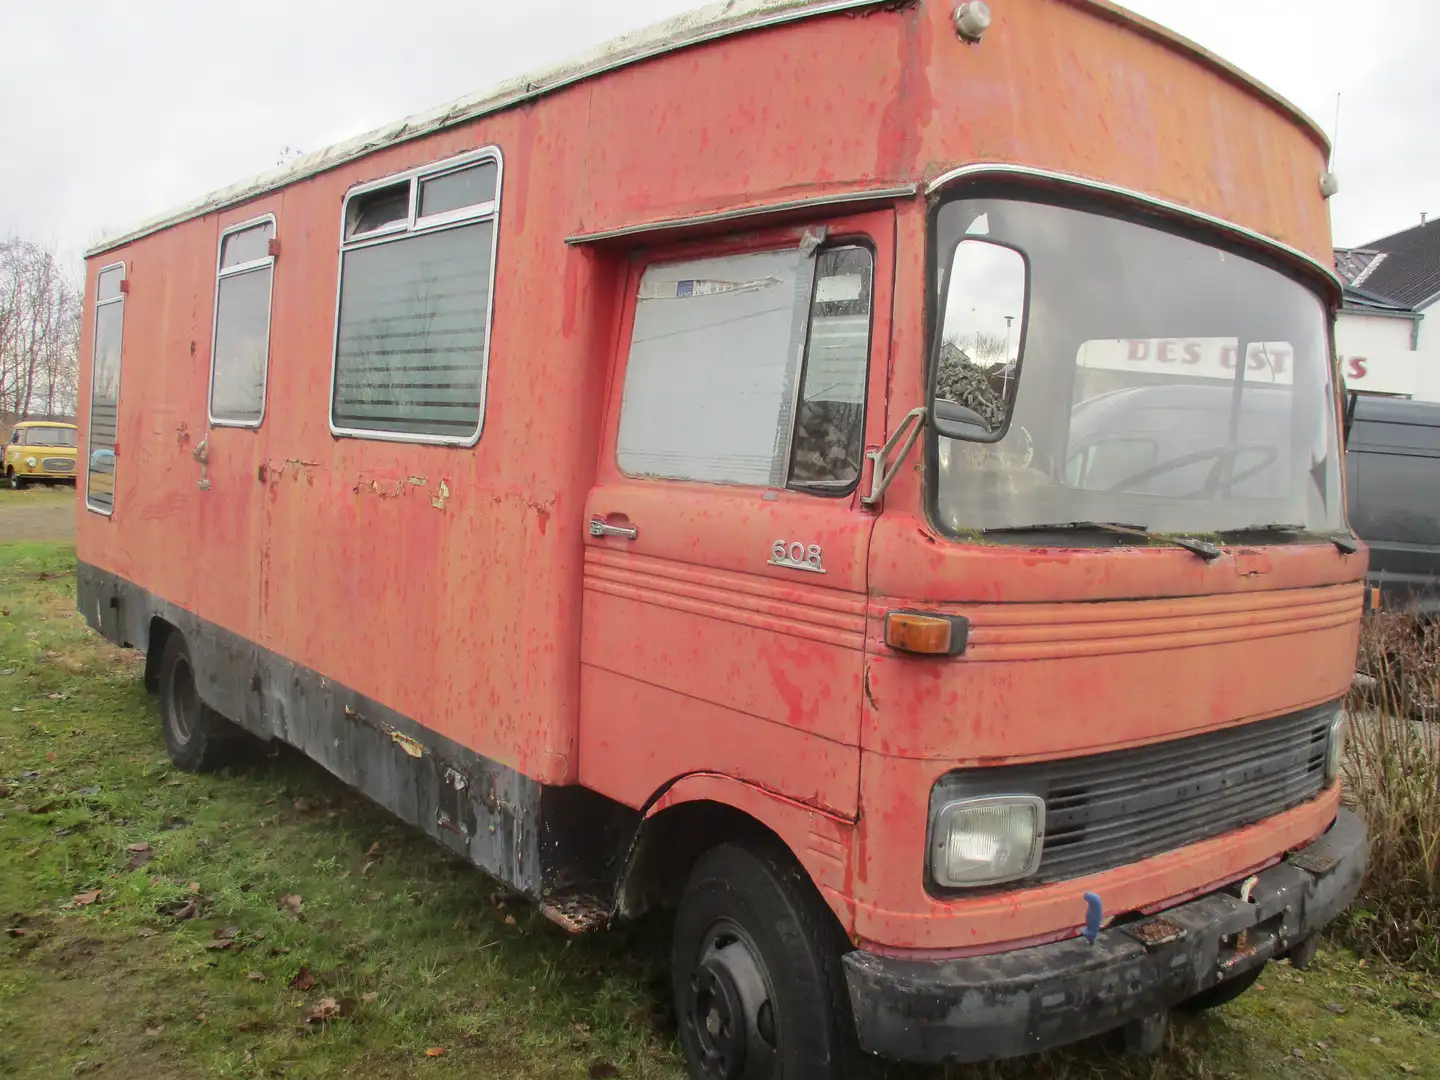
(145, 928)
(1393, 767)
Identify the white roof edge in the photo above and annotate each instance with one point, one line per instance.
(716, 20)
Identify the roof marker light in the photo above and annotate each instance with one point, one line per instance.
(972, 19)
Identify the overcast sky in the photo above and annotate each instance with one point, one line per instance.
(114, 110)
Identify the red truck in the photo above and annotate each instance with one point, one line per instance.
(866, 476)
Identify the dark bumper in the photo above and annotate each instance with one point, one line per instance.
(1022, 1002)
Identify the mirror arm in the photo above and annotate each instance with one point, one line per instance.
(883, 474)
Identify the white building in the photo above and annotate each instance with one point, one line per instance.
(1386, 342)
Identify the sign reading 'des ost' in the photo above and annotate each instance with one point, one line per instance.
(1271, 362)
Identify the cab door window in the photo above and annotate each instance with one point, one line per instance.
(750, 369)
(105, 389)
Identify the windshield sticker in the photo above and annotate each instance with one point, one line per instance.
(1267, 362)
(840, 289)
(690, 288)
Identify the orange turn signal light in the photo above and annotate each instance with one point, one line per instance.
(925, 634)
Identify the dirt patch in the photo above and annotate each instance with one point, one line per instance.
(37, 514)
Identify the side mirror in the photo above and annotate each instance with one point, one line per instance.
(980, 341)
(955, 421)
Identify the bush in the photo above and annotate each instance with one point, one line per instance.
(1392, 772)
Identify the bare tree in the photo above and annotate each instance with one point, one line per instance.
(39, 331)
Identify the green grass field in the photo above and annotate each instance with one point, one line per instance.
(270, 923)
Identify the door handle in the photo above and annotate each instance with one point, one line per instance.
(201, 453)
(600, 527)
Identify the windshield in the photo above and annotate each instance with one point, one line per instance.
(50, 436)
(1105, 371)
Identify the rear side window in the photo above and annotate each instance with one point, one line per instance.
(240, 355)
(105, 389)
(412, 335)
(750, 369)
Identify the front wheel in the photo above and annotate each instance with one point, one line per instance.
(1224, 993)
(759, 994)
(17, 482)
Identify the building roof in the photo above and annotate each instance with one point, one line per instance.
(1402, 270)
(717, 20)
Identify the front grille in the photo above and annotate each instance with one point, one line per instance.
(1107, 810)
(58, 464)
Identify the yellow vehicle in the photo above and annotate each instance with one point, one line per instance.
(40, 452)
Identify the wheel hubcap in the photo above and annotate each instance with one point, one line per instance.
(184, 700)
(731, 1012)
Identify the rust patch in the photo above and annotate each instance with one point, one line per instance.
(1156, 932)
(577, 913)
(409, 745)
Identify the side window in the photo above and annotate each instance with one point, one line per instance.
(105, 389)
(412, 336)
(240, 354)
(750, 369)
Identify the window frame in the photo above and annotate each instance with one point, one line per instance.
(780, 239)
(118, 298)
(221, 273)
(417, 226)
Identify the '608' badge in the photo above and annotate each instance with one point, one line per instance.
(796, 556)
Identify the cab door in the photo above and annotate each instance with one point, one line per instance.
(723, 625)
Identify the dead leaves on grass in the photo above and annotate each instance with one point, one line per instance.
(84, 899)
(303, 980)
(329, 1009)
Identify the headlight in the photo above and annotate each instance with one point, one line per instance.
(1335, 749)
(30, 461)
(987, 841)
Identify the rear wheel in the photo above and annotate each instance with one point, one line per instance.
(198, 738)
(759, 994)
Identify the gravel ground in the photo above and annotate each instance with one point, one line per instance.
(37, 513)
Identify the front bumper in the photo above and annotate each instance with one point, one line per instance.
(1021, 1002)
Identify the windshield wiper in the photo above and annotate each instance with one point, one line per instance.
(1203, 548)
(1348, 544)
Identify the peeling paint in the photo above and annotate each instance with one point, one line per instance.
(406, 743)
(439, 501)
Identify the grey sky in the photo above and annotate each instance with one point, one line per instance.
(112, 111)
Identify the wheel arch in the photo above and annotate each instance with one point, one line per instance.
(700, 811)
(158, 633)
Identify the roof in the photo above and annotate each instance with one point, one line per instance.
(1402, 269)
(717, 20)
(1389, 410)
(714, 21)
(1365, 302)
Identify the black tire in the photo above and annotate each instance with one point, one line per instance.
(17, 482)
(1222, 993)
(756, 948)
(198, 738)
